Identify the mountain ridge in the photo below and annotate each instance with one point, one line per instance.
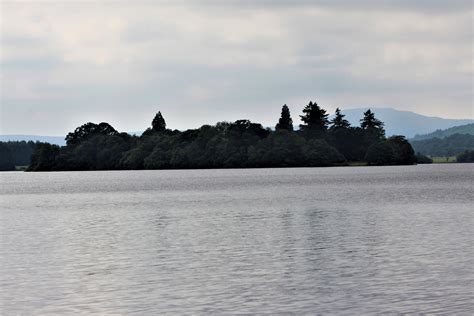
(57, 140)
(405, 123)
(443, 133)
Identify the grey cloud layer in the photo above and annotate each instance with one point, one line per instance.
(116, 61)
(425, 6)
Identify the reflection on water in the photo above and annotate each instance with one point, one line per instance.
(321, 240)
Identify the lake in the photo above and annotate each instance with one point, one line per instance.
(348, 240)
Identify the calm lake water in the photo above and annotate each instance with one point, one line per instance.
(308, 240)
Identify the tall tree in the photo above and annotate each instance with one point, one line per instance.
(369, 121)
(339, 121)
(158, 124)
(314, 117)
(6, 160)
(285, 122)
(88, 130)
(373, 126)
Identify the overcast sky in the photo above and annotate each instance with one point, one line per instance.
(64, 63)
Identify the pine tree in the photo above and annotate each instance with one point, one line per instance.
(339, 121)
(372, 125)
(285, 122)
(314, 117)
(369, 121)
(158, 124)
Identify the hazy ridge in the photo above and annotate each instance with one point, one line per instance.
(443, 133)
(405, 123)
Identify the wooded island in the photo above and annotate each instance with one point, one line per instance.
(241, 144)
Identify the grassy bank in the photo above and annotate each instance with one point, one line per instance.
(449, 159)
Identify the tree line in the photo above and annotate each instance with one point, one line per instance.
(466, 157)
(451, 145)
(15, 153)
(319, 141)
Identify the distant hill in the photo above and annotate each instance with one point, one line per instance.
(58, 140)
(443, 133)
(404, 123)
(451, 145)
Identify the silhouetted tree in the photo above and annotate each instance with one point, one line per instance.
(319, 153)
(158, 124)
(380, 153)
(403, 153)
(44, 158)
(369, 121)
(20, 151)
(422, 159)
(280, 149)
(339, 121)
(315, 118)
(465, 157)
(6, 159)
(371, 124)
(350, 142)
(87, 130)
(285, 122)
(225, 145)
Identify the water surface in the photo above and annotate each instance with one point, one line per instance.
(306, 240)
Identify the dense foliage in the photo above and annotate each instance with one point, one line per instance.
(315, 119)
(396, 150)
(241, 144)
(285, 122)
(422, 159)
(467, 156)
(15, 153)
(6, 160)
(442, 133)
(449, 146)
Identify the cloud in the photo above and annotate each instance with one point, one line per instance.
(204, 61)
(398, 5)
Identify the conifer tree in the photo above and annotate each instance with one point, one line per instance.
(158, 124)
(314, 117)
(372, 124)
(285, 122)
(369, 121)
(339, 121)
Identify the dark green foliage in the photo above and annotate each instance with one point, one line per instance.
(88, 130)
(373, 126)
(461, 129)
(402, 150)
(380, 153)
(158, 124)
(20, 151)
(369, 121)
(97, 153)
(352, 142)
(246, 129)
(285, 122)
(422, 159)
(6, 159)
(241, 144)
(449, 146)
(315, 119)
(467, 156)
(396, 150)
(319, 153)
(280, 149)
(339, 121)
(44, 158)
